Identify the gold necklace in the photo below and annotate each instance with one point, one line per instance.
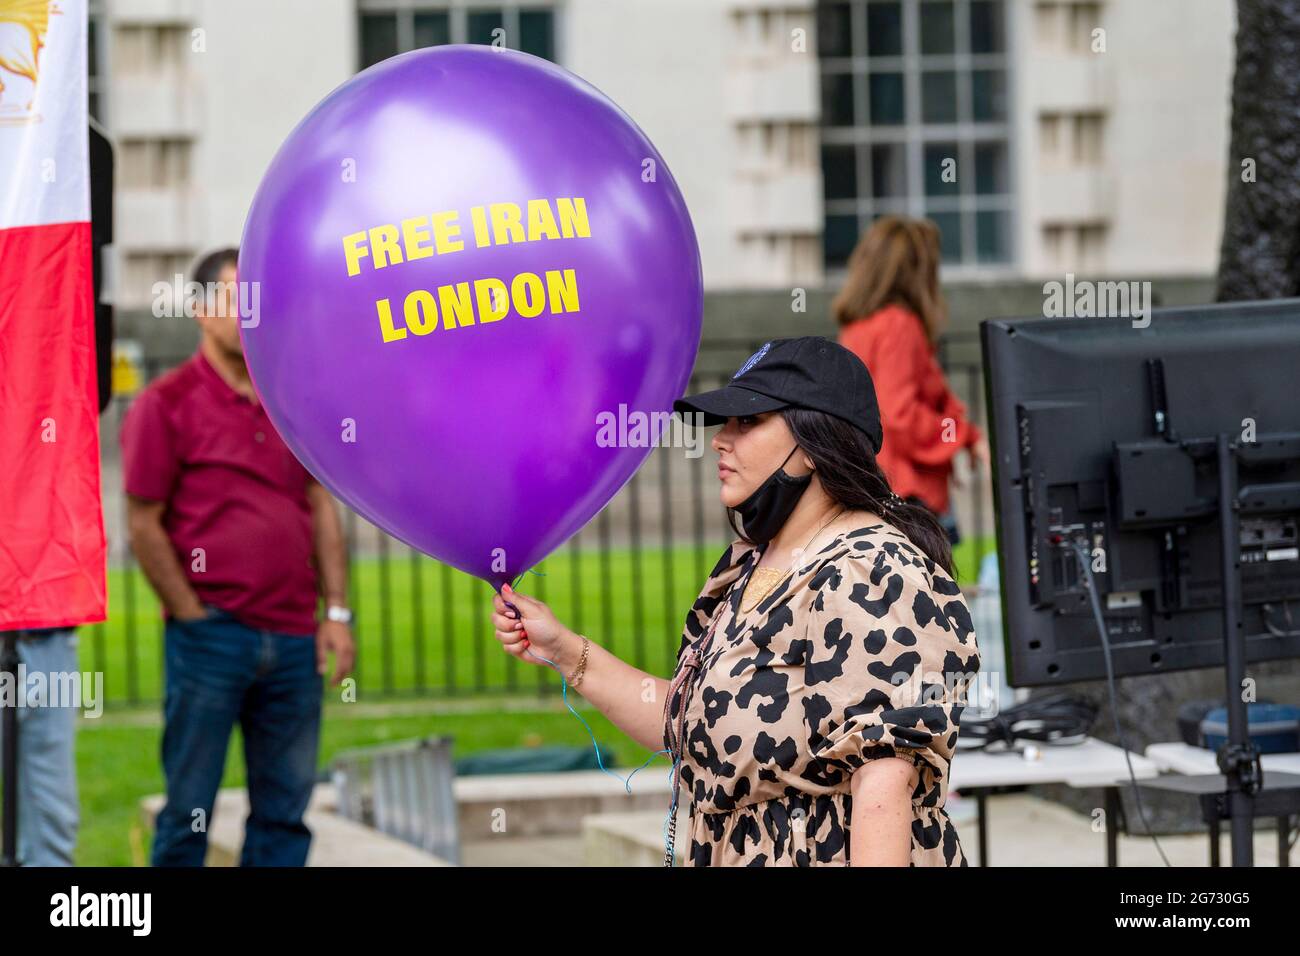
(763, 580)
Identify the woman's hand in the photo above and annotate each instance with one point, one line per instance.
(537, 635)
(978, 452)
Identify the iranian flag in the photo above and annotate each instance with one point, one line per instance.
(52, 552)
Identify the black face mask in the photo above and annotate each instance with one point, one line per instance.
(764, 512)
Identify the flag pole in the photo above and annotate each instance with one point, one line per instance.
(9, 760)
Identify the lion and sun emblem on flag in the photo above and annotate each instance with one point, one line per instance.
(24, 25)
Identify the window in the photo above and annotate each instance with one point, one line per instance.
(1075, 246)
(916, 121)
(389, 27)
(378, 37)
(155, 163)
(1088, 128)
(1066, 28)
(768, 145)
(149, 50)
(1071, 139)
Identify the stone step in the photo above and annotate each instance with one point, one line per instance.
(336, 841)
(1024, 830)
(548, 804)
(491, 807)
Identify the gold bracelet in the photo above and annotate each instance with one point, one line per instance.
(579, 672)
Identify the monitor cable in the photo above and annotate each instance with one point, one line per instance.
(1085, 563)
(1058, 719)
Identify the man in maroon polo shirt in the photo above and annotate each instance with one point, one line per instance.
(238, 541)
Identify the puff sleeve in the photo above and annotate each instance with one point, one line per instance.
(890, 655)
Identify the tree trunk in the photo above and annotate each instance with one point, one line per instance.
(1260, 253)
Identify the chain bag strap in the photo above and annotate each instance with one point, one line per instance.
(685, 682)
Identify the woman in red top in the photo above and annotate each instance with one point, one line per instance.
(891, 313)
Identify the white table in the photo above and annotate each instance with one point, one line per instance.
(1181, 758)
(1092, 763)
(1184, 758)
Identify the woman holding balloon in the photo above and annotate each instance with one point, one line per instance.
(814, 711)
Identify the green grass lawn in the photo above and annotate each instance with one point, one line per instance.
(118, 758)
(423, 628)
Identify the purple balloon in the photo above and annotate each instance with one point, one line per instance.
(476, 441)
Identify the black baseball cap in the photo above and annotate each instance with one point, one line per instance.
(806, 372)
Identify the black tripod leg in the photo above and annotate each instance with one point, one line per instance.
(9, 752)
(1113, 812)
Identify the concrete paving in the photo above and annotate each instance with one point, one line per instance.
(1024, 830)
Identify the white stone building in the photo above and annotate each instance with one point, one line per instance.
(1044, 136)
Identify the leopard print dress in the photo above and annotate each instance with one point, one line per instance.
(864, 651)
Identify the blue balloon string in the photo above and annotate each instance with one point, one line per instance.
(627, 784)
(540, 574)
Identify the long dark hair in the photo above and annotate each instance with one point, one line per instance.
(850, 475)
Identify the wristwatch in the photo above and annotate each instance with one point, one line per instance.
(337, 612)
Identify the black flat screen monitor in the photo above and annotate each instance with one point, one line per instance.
(1105, 430)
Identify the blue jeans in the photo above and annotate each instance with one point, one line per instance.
(219, 671)
(48, 814)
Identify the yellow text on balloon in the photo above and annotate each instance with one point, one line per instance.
(482, 300)
(496, 224)
(487, 300)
